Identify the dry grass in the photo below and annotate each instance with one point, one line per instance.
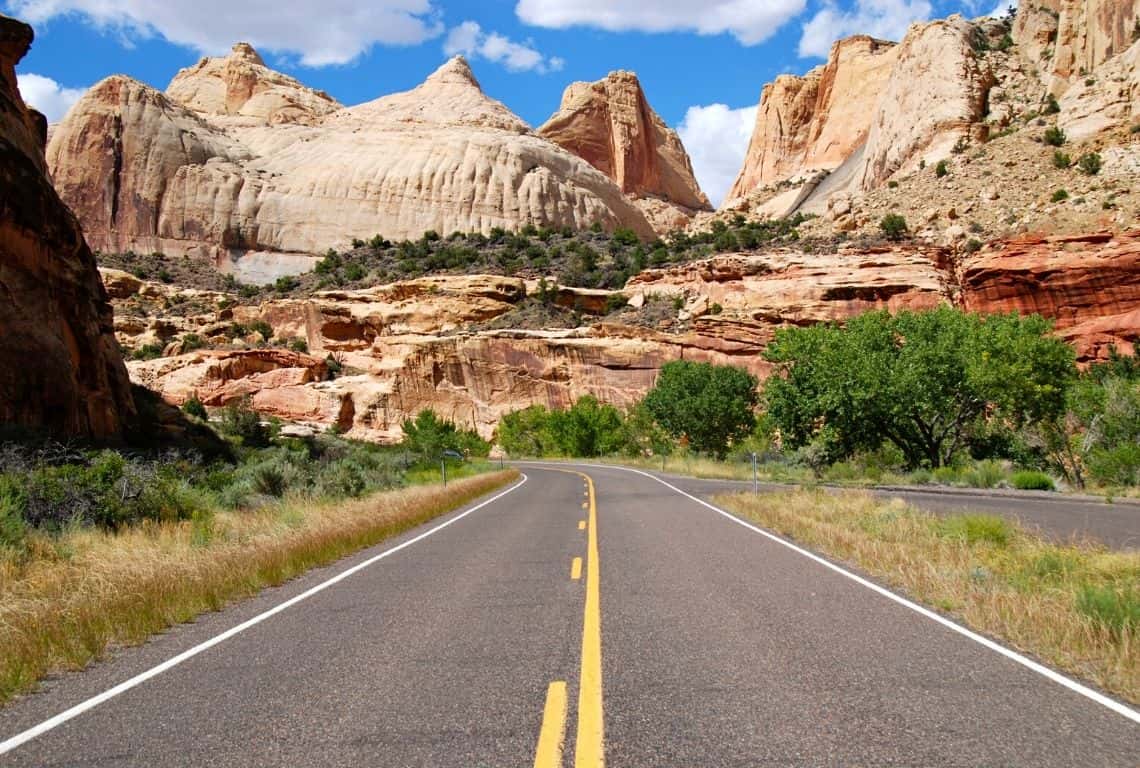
(71, 598)
(1076, 607)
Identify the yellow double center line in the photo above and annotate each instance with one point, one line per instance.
(589, 749)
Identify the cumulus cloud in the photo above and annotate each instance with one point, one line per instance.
(749, 21)
(887, 19)
(470, 40)
(716, 137)
(47, 95)
(318, 32)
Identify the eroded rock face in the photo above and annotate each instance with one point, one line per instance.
(812, 123)
(60, 369)
(611, 126)
(252, 161)
(241, 86)
(936, 95)
(1088, 285)
(1071, 38)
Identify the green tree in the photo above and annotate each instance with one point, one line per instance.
(924, 381)
(709, 405)
(587, 429)
(428, 436)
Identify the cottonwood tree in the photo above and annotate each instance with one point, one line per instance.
(710, 405)
(924, 381)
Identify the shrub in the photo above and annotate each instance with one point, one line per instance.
(193, 407)
(11, 513)
(1032, 480)
(191, 342)
(892, 184)
(1090, 163)
(1054, 136)
(285, 284)
(973, 245)
(1060, 195)
(1061, 160)
(985, 474)
(1115, 609)
(299, 345)
(263, 329)
(942, 169)
(975, 529)
(354, 272)
(242, 422)
(893, 226)
(1051, 106)
(148, 352)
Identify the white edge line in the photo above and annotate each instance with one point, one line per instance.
(1118, 707)
(54, 722)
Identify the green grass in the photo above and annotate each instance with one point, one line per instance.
(1032, 480)
(1117, 609)
(975, 529)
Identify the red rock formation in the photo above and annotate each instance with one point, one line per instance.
(610, 125)
(1089, 285)
(60, 368)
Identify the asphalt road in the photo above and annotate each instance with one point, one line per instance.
(704, 644)
(1057, 516)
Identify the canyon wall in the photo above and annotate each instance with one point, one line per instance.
(60, 368)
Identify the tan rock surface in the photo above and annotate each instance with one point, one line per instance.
(811, 123)
(936, 95)
(146, 173)
(60, 368)
(241, 86)
(1089, 33)
(610, 125)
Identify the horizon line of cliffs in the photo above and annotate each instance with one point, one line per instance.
(236, 159)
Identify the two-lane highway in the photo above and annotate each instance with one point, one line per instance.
(496, 639)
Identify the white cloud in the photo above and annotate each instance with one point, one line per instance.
(319, 32)
(887, 19)
(47, 95)
(470, 40)
(749, 21)
(1002, 8)
(716, 137)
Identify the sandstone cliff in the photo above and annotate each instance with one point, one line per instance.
(60, 368)
(1069, 39)
(236, 159)
(812, 123)
(610, 125)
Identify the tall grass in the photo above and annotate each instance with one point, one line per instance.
(67, 598)
(1076, 606)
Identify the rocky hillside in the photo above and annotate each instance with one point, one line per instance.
(60, 369)
(476, 346)
(243, 165)
(934, 125)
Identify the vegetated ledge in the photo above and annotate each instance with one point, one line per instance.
(1074, 606)
(101, 590)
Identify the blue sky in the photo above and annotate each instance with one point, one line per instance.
(702, 64)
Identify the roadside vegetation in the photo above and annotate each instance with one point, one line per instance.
(934, 397)
(101, 548)
(1076, 606)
